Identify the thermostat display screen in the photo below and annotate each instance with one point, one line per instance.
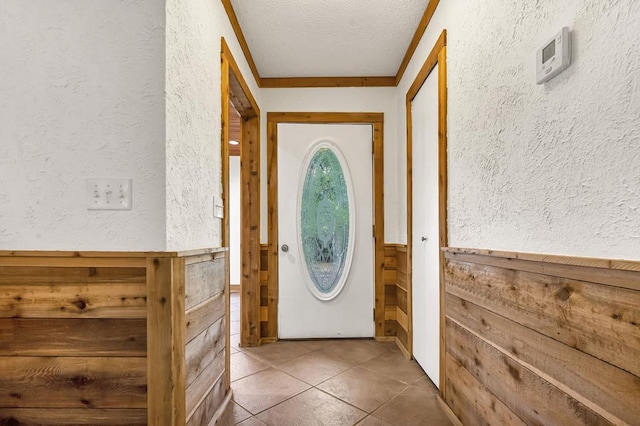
(549, 51)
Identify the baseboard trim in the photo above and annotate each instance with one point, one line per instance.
(404, 350)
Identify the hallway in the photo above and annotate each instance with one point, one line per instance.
(337, 382)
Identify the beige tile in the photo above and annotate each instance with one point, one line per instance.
(243, 365)
(279, 352)
(311, 408)
(413, 407)
(251, 421)
(354, 351)
(425, 384)
(233, 414)
(373, 421)
(363, 388)
(316, 344)
(314, 367)
(396, 366)
(265, 389)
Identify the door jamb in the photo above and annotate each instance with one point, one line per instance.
(377, 121)
(234, 89)
(437, 56)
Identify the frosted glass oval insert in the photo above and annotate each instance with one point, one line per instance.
(326, 222)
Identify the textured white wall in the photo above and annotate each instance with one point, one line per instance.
(355, 99)
(194, 28)
(551, 168)
(81, 96)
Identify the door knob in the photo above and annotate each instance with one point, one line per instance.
(423, 238)
(285, 248)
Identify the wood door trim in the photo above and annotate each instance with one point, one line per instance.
(299, 82)
(235, 90)
(437, 56)
(377, 121)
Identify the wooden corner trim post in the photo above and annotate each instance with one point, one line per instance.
(166, 397)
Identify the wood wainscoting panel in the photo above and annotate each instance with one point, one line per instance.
(396, 311)
(541, 338)
(104, 338)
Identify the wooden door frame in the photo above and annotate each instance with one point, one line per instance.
(437, 56)
(377, 122)
(234, 89)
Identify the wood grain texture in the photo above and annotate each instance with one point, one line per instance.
(293, 82)
(73, 382)
(73, 300)
(209, 405)
(481, 400)
(601, 321)
(239, 93)
(272, 223)
(73, 416)
(233, 19)
(204, 280)
(201, 351)
(378, 229)
(73, 337)
(326, 117)
(202, 316)
(204, 382)
(250, 232)
(513, 383)
(613, 393)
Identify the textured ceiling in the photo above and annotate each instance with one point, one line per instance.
(328, 38)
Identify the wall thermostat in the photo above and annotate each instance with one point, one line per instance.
(554, 56)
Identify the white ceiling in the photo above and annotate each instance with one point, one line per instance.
(328, 38)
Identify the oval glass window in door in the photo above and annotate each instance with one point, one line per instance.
(326, 220)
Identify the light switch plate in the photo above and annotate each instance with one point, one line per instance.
(218, 208)
(109, 194)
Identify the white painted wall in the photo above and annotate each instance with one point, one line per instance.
(81, 96)
(355, 99)
(194, 28)
(234, 219)
(552, 168)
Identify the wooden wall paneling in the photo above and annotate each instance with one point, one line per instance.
(376, 120)
(204, 280)
(211, 376)
(602, 321)
(75, 416)
(489, 408)
(73, 337)
(513, 383)
(227, 328)
(166, 340)
(612, 392)
(201, 351)
(437, 56)
(209, 409)
(201, 316)
(461, 407)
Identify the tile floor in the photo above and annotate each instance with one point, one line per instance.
(327, 382)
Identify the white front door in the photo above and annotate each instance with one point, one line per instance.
(325, 221)
(425, 240)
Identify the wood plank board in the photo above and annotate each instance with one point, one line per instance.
(208, 406)
(73, 337)
(599, 320)
(202, 316)
(73, 416)
(73, 382)
(203, 384)
(203, 280)
(73, 300)
(513, 383)
(606, 389)
(201, 351)
(43, 274)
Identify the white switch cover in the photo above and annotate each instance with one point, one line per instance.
(109, 194)
(218, 208)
